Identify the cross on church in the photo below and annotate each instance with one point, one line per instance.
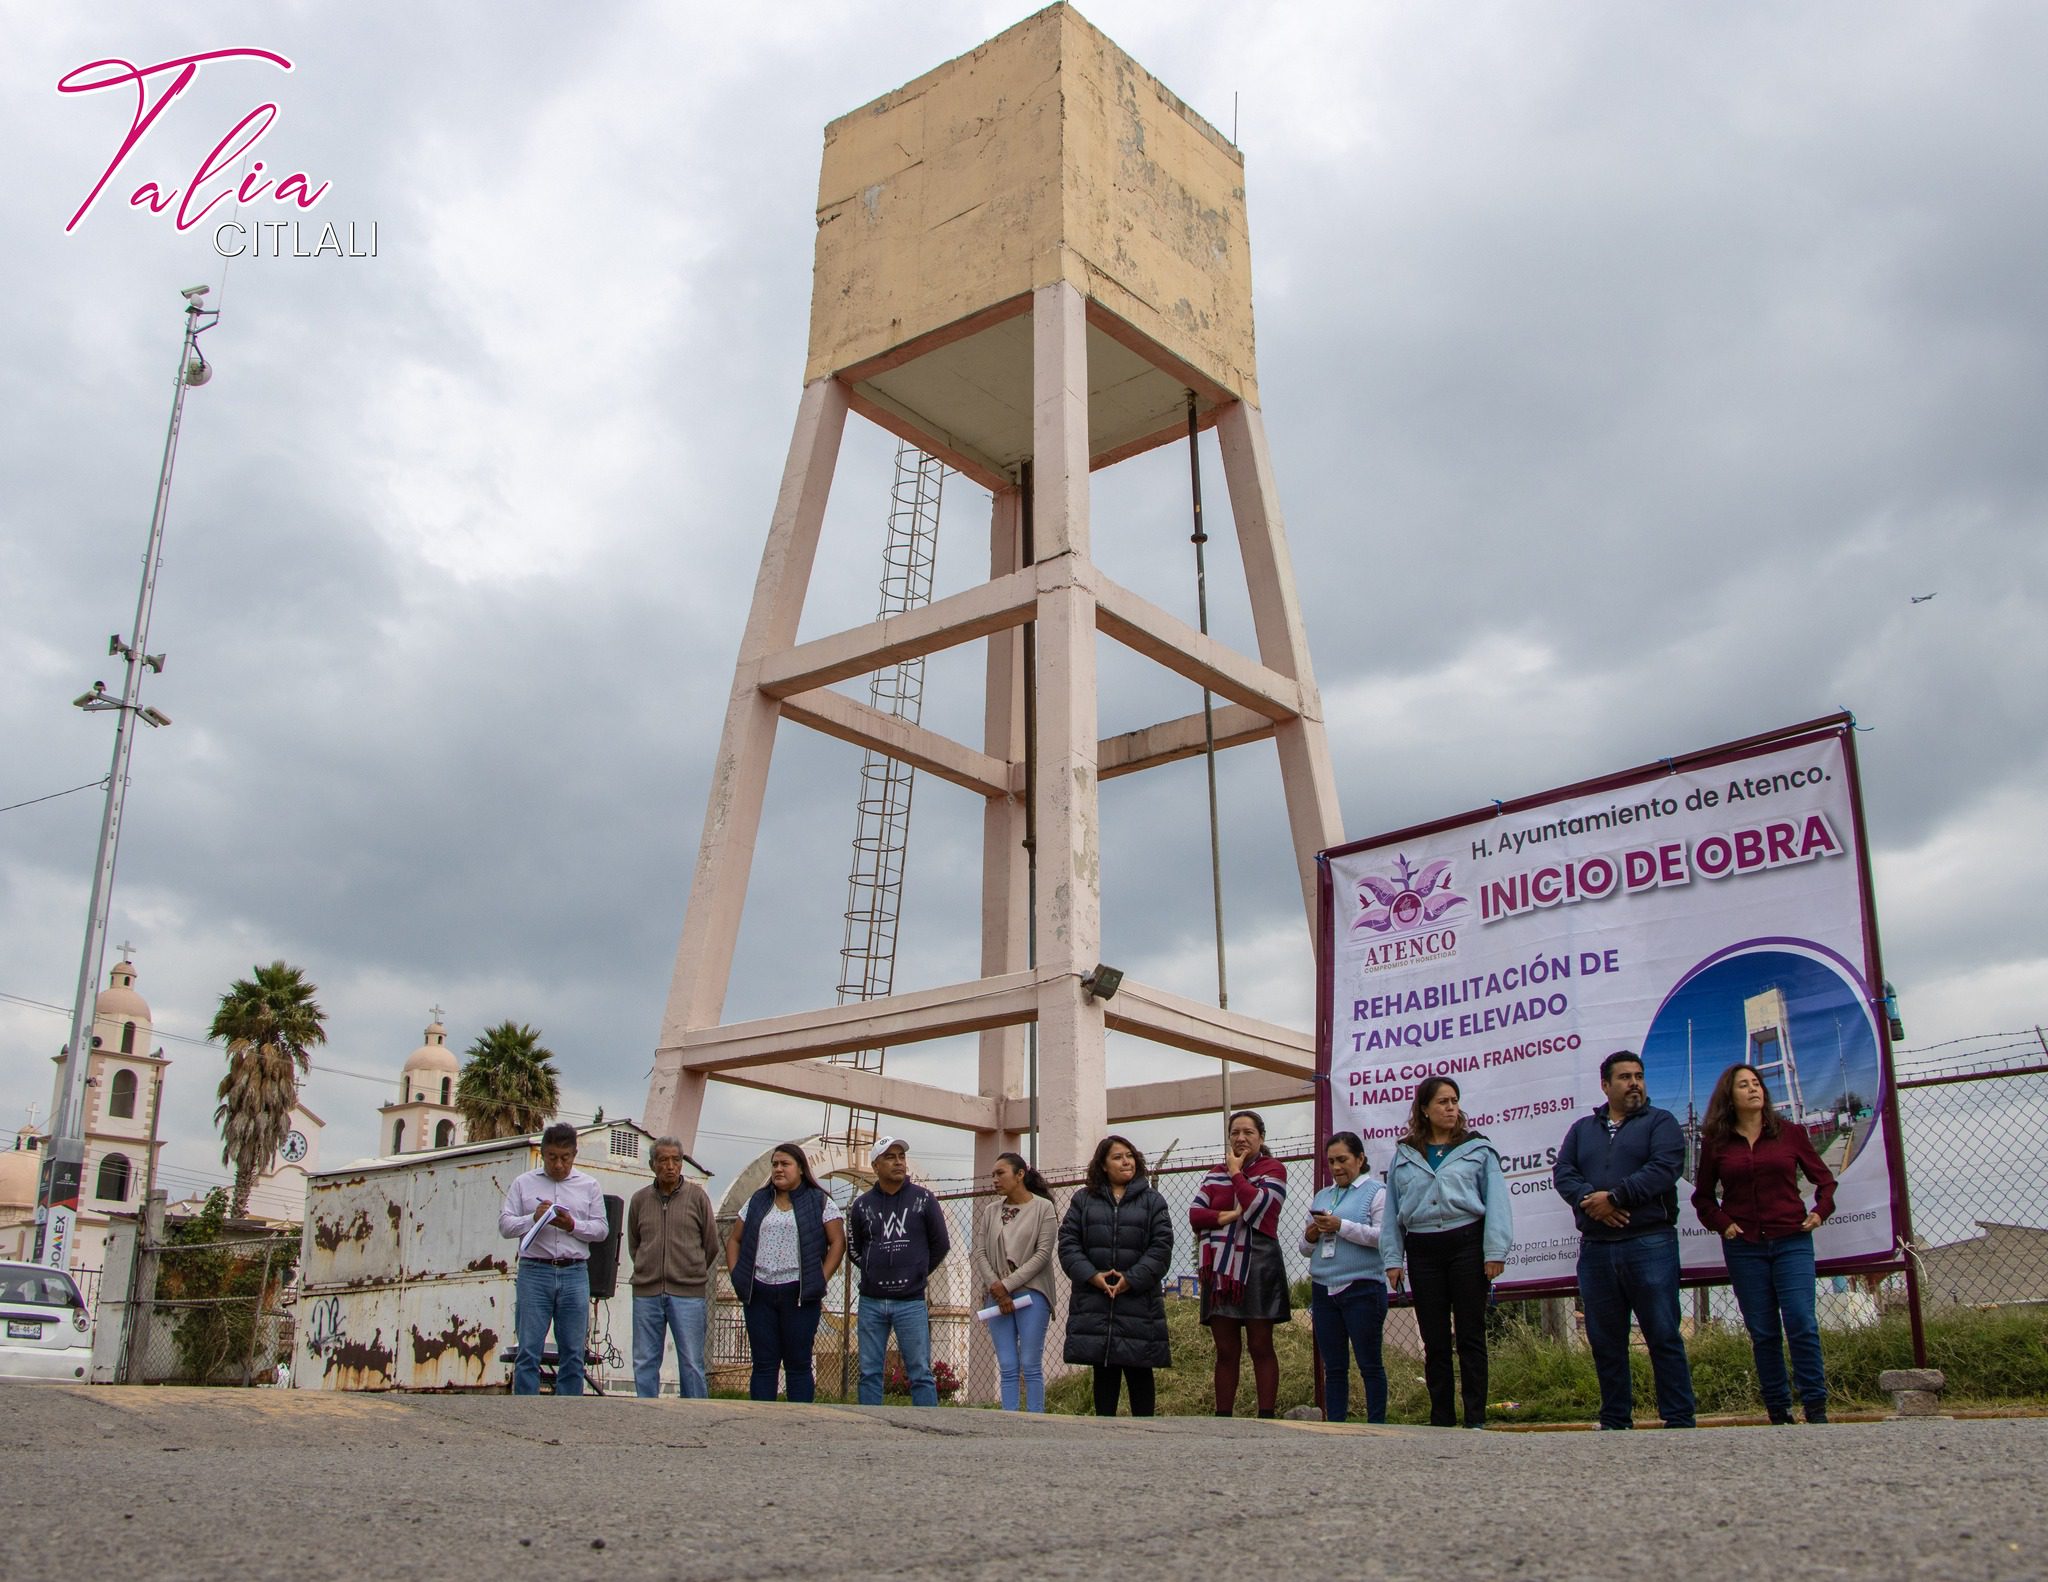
(127, 952)
(435, 1012)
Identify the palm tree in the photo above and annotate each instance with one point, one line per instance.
(508, 1085)
(268, 1022)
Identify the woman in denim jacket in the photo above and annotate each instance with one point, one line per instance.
(1448, 1228)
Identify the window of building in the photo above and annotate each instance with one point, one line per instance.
(113, 1181)
(121, 1100)
(625, 1143)
(447, 1087)
(127, 1038)
(444, 1134)
(398, 1137)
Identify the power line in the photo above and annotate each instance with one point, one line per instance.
(90, 785)
(186, 1038)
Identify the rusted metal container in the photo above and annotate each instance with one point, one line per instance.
(405, 1283)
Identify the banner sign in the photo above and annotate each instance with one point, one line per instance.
(1702, 912)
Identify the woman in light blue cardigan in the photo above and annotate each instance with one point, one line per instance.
(1348, 1296)
(1448, 1230)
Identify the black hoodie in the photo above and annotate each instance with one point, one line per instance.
(897, 1239)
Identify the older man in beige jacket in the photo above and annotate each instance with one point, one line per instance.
(672, 1232)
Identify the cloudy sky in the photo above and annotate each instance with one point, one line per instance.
(1627, 368)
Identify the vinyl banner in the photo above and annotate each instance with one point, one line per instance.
(1703, 913)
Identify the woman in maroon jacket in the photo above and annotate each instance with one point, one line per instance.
(1754, 1157)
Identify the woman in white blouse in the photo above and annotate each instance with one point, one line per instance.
(783, 1250)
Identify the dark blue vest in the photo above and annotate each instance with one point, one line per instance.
(808, 1203)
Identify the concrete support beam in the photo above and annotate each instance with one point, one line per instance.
(944, 623)
(1059, 422)
(739, 779)
(1072, 1111)
(1173, 740)
(1149, 1101)
(863, 1024)
(1203, 1029)
(1005, 917)
(872, 1090)
(1314, 815)
(1143, 627)
(835, 714)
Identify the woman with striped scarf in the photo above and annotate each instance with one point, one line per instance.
(1244, 1277)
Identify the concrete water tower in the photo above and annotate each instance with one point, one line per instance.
(1032, 262)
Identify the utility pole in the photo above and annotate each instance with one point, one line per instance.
(64, 1164)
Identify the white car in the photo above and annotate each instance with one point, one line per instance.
(48, 1331)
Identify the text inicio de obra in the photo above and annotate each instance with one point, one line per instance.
(1752, 848)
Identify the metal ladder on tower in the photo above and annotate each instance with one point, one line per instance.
(881, 834)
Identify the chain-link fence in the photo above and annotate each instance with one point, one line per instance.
(963, 1357)
(1976, 1155)
(1977, 1172)
(214, 1313)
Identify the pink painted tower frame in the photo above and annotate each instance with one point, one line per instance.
(1079, 169)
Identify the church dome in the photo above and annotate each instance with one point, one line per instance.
(119, 1002)
(434, 1055)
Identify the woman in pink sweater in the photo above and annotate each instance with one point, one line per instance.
(1244, 1277)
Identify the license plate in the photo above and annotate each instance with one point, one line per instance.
(18, 1330)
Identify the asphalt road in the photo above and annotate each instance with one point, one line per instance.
(167, 1484)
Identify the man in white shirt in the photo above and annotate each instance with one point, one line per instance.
(563, 1209)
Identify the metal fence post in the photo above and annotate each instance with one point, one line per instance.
(845, 1318)
(141, 1310)
(256, 1317)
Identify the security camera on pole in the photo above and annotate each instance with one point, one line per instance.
(64, 1164)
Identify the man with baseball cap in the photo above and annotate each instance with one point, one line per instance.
(897, 1235)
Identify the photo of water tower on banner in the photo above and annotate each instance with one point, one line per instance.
(1702, 911)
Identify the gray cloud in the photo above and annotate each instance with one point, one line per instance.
(1626, 369)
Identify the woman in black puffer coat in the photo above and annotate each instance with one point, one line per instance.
(1115, 1245)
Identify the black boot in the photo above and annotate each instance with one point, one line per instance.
(1816, 1411)
(1780, 1415)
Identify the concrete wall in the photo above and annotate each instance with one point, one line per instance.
(405, 1282)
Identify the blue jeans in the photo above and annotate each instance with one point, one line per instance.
(912, 1321)
(1019, 1339)
(557, 1295)
(781, 1334)
(1773, 1282)
(1638, 1275)
(685, 1317)
(1346, 1323)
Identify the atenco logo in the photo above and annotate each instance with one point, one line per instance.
(165, 80)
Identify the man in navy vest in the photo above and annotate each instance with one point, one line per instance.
(1619, 1170)
(898, 1237)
